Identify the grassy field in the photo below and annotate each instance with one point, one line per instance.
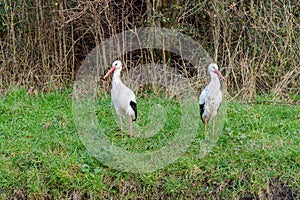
(42, 157)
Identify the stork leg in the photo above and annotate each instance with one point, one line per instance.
(121, 124)
(130, 123)
(205, 124)
(213, 128)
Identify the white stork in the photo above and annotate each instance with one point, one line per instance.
(123, 98)
(211, 97)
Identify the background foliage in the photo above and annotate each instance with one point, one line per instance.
(256, 43)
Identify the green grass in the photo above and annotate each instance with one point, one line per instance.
(257, 155)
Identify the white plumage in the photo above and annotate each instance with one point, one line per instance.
(211, 97)
(123, 98)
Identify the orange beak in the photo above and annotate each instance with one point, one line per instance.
(219, 73)
(110, 71)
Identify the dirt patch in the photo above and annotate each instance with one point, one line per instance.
(279, 191)
(249, 197)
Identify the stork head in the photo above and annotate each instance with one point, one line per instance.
(117, 65)
(213, 68)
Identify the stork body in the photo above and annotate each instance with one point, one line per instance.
(211, 97)
(122, 97)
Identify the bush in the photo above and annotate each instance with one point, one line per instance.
(256, 43)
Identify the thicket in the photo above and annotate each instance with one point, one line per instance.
(43, 42)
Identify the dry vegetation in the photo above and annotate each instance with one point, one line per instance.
(255, 42)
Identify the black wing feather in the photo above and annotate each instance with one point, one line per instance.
(201, 111)
(133, 106)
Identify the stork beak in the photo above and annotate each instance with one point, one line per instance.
(219, 73)
(110, 71)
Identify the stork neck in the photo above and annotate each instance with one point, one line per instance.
(214, 79)
(116, 77)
